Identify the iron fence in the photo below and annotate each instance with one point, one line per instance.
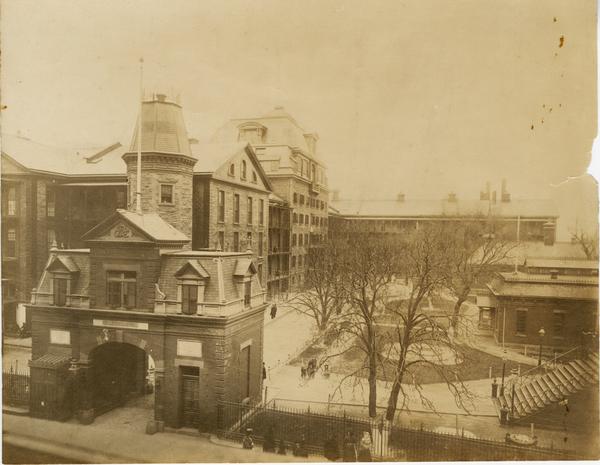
(15, 387)
(318, 432)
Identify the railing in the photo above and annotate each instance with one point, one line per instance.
(15, 387)
(304, 430)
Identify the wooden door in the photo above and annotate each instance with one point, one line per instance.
(190, 396)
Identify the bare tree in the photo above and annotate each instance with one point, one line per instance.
(588, 243)
(321, 299)
(420, 336)
(473, 254)
(368, 266)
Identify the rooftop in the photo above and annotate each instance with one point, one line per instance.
(544, 286)
(419, 208)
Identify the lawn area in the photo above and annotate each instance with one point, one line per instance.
(475, 365)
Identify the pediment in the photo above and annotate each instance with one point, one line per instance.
(245, 267)
(192, 269)
(62, 264)
(122, 232)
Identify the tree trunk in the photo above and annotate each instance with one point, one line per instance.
(393, 399)
(456, 313)
(372, 384)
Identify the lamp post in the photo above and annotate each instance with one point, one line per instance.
(542, 333)
(503, 371)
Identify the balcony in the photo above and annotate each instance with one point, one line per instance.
(315, 188)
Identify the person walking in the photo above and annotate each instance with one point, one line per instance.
(264, 372)
(273, 311)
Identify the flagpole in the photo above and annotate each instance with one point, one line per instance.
(138, 193)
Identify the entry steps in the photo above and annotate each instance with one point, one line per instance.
(536, 392)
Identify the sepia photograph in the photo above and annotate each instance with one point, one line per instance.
(299, 231)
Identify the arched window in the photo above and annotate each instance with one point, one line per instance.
(254, 177)
(243, 169)
(232, 170)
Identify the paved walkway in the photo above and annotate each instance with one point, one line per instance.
(98, 444)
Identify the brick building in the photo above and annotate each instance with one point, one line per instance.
(52, 194)
(564, 304)
(289, 157)
(138, 297)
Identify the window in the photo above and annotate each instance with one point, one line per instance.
(300, 261)
(249, 241)
(295, 218)
(306, 239)
(521, 321)
(300, 240)
(221, 240)
(121, 199)
(313, 177)
(559, 322)
(302, 167)
(236, 241)
(11, 242)
(245, 372)
(301, 199)
(249, 216)
(166, 193)
(51, 236)
(236, 208)
(244, 168)
(121, 288)
(261, 212)
(294, 239)
(60, 291)
(260, 244)
(50, 202)
(189, 299)
(221, 206)
(295, 198)
(293, 261)
(254, 177)
(301, 218)
(247, 293)
(306, 220)
(231, 171)
(11, 202)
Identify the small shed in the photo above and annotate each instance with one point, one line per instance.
(52, 393)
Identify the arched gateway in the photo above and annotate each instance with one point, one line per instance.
(101, 317)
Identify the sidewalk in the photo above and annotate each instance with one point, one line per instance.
(98, 445)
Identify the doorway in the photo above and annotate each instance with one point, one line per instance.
(119, 373)
(190, 396)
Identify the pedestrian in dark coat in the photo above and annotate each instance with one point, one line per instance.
(273, 311)
(350, 454)
(264, 371)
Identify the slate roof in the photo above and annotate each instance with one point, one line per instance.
(150, 224)
(420, 208)
(163, 128)
(243, 265)
(35, 156)
(66, 261)
(543, 286)
(50, 361)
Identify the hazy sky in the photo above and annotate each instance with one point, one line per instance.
(418, 96)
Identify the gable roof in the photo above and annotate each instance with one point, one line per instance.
(150, 225)
(213, 155)
(544, 286)
(195, 266)
(243, 265)
(62, 261)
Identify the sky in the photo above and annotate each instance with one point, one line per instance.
(422, 97)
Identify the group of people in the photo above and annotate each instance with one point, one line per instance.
(308, 371)
(353, 449)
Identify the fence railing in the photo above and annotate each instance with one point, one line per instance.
(15, 387)
(352, 438)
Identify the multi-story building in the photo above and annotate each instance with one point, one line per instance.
(289, 157)
(280, 216)
(50, 195)
(56, 195)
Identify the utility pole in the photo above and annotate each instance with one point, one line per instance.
(138, 188)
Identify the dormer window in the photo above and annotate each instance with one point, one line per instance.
(231, 171)
(60, 290)
(252, 132)
(166, 194)
(244, 169)
(191, 278)
(63, 271)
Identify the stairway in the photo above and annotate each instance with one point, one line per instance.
(534, 393)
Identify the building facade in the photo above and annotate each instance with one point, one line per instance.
(280, 218)
(138, 298)
(289, 157)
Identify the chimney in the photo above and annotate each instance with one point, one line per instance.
(451, 197)
(161, 97)
(549, 233)
(400, 197)
(505, 196)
